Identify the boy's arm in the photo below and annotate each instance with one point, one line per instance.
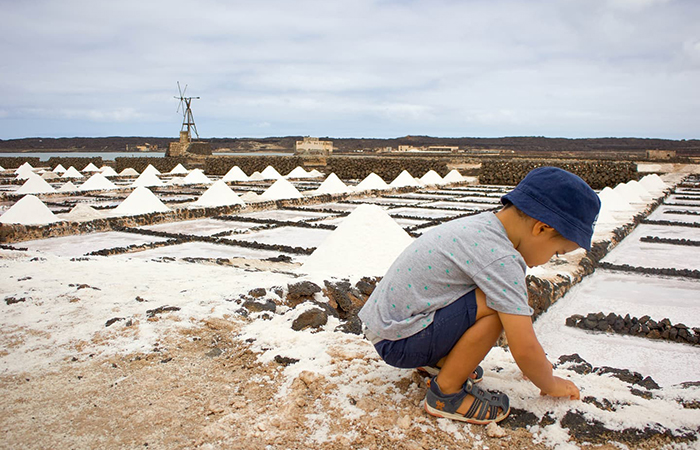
(531, 359)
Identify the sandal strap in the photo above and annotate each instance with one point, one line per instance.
(484, 402)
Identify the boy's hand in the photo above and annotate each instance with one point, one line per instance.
(563, 388)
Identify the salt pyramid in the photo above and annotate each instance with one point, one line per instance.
(298, 172)
(251, 197)
(628, 193)
(68, 187)
(639, 189)
(50, 176)
(147, 179)
(24, 171)
(176, 181)
(332, 185)
(280, 189)
(453, 177)
(235, 174)
(35, 185)
(90, 168)
(178, 170)
(59, 169)
(29, 210)
(315, 174)
(371, 181)
(196, 177)
(653, 183)
(256, 176)
(108, 171)
(141, 201)
(218, 194)
(2, 169)
(82, 212)
(97, 182)
(151, 169)
(128, 172)
(72, 172)
(365, 243)
(269, 173)
(613, 201)
(404, 179)
(431, 178)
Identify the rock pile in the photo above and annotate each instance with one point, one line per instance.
(644, 326)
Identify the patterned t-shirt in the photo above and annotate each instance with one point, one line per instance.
(441, 266)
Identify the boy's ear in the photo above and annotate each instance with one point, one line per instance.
(540, 227)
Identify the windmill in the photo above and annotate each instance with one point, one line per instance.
(187, 118)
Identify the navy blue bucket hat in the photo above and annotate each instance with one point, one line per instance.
(560, 199)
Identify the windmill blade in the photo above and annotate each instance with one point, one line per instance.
(178, 89)
(183, 91)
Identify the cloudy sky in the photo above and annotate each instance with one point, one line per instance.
(352, 68)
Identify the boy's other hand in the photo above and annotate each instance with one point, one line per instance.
(564, 388)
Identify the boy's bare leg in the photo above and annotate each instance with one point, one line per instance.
(470, 350)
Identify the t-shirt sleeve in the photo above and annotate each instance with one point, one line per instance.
(503, 282)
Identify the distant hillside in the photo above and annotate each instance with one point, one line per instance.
(518, 144)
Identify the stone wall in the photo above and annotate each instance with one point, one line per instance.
(140, 163)
(598, 174)
(78, 163)
(13, 162)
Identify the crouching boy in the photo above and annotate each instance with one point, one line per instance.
(445, 300)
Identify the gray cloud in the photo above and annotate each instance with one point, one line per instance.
(362, 68)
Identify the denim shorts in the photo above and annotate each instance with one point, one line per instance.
(434, 342)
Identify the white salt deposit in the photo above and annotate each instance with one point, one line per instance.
(141, 201)
(29, 210)
(176, 181)
(97, 182)
(35, 185)
(59, 169)
(613, 201)
(178, 170)
(453, 177)
(431, 178)
(628, 193)
(639, 189)
(280, 189)
(269, 173)
(90, 168)
(366, 243)
(256, 176)
(147, 179)
(68, 187)
(24, 171)
(653, 183)
(404, 179)
(2, 169)
(332, 185)
(196, 177)
(315, 174)
(235, 174)
(83, 212)
(251, 197)
(50, 176)
(128, 172)
(151, 169)
(298, 172)
(108, 171)
(72, 172)
(371, 181)
(219, 194)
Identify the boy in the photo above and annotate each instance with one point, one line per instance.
(445, 300)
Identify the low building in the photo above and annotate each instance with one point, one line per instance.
(186, 147)
(661, 154)
(313, 146)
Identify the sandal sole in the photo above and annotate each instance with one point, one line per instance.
(459, 417)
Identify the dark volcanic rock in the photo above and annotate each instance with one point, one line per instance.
(113, 320)
(346, 299)
(257, 292)
(519, 418)
(313, 318)
(575, 363)
(160, 310)
(353, 325)
(285, 361)
(14, 300)
(300, 292)
(260, 306)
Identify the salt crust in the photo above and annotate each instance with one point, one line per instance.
(404, 179)
(29, 210)
(90, 168)
(97, 182)
(366, 242)
(280, 189)
(35, 185)
(218, 194)
(72, 172)
(140, 201)
(178, 170)
(332, 185)
(235, 174)
(196, 177)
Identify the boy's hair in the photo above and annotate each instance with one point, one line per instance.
(560, 199)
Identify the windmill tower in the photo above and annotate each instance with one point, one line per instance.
(186, 146)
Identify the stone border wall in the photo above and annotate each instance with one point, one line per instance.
(13, 162)
(163, 164)
(598, 174)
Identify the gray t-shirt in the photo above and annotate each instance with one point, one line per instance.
(441, 266)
